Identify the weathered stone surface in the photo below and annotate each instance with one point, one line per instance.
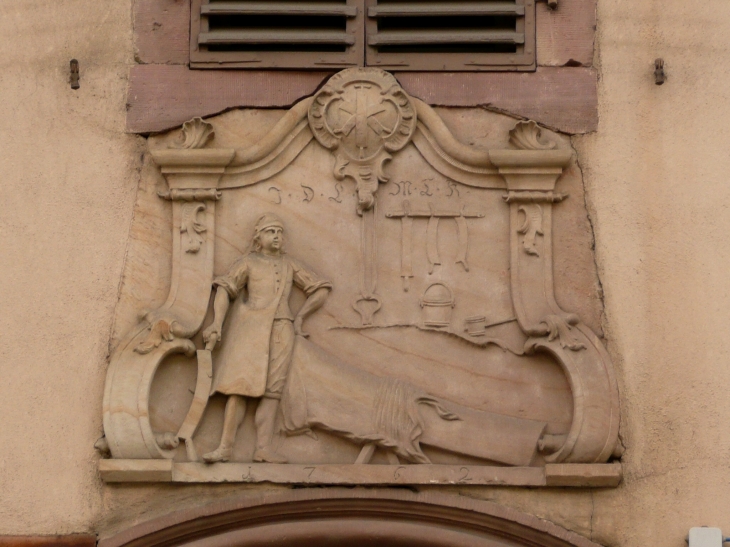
(561, 98)
(135, 470)
(596, 475)
(162, 32)
(164, 96)
(565, 35)
(332, 516)
(73, 540)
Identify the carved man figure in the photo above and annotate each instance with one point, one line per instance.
(255, 356)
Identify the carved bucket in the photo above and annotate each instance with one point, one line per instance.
(437, 303)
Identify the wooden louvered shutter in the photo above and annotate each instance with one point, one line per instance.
(284, 34)
(458, 35)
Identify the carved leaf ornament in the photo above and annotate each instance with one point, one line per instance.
(528, 136)
(364, 118)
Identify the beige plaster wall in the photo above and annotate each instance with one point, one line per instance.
(68, 176)
(657, 183)
(655, 176)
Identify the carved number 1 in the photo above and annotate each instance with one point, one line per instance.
(311, 470)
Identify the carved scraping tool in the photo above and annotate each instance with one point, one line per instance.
(200, 398)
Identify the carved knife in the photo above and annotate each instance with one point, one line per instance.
(406, 271)
(432, 242)
(463, 235)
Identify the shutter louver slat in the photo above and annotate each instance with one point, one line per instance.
(278, 8)
(433, 9)
(274, 37)
(406, 37)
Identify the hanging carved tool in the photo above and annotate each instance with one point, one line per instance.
(406, 266)
(407, 214)
(463, 236)
(432, 242)
(368, 303)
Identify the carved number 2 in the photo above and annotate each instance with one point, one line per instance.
(464, 475)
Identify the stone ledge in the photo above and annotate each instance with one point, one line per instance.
(571, 475)
(71, 540)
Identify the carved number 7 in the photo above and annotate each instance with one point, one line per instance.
(311, 470)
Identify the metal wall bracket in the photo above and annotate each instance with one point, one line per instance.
(74, 74)
(659, 76)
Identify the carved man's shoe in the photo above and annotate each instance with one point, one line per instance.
(218, 455)
(268, 455)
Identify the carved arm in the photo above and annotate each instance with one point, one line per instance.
(315, 301)
(220, 309)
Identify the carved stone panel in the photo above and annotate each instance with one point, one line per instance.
(357, 297)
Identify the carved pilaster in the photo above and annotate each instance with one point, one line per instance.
(531, 176)
(192, 176)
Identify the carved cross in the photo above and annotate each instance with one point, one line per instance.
(362, 116)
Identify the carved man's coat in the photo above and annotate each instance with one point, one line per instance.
(244, 363)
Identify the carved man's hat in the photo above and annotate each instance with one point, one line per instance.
(268, 220)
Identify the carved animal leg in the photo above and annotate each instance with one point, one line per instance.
(232, 419)
(432, 243)
(366, 453)
(265, 421)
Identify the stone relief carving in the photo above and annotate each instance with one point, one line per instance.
(463, 278)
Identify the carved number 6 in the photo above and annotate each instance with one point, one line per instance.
(397, 475)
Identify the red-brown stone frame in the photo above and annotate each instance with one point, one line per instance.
(164, 92)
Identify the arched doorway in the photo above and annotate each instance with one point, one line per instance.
(348, 517)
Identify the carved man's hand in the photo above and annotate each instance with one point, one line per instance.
(298, 327)
(212, 330)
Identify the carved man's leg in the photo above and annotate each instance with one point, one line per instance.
(265, 422)
(232, 419)
(280, 352)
